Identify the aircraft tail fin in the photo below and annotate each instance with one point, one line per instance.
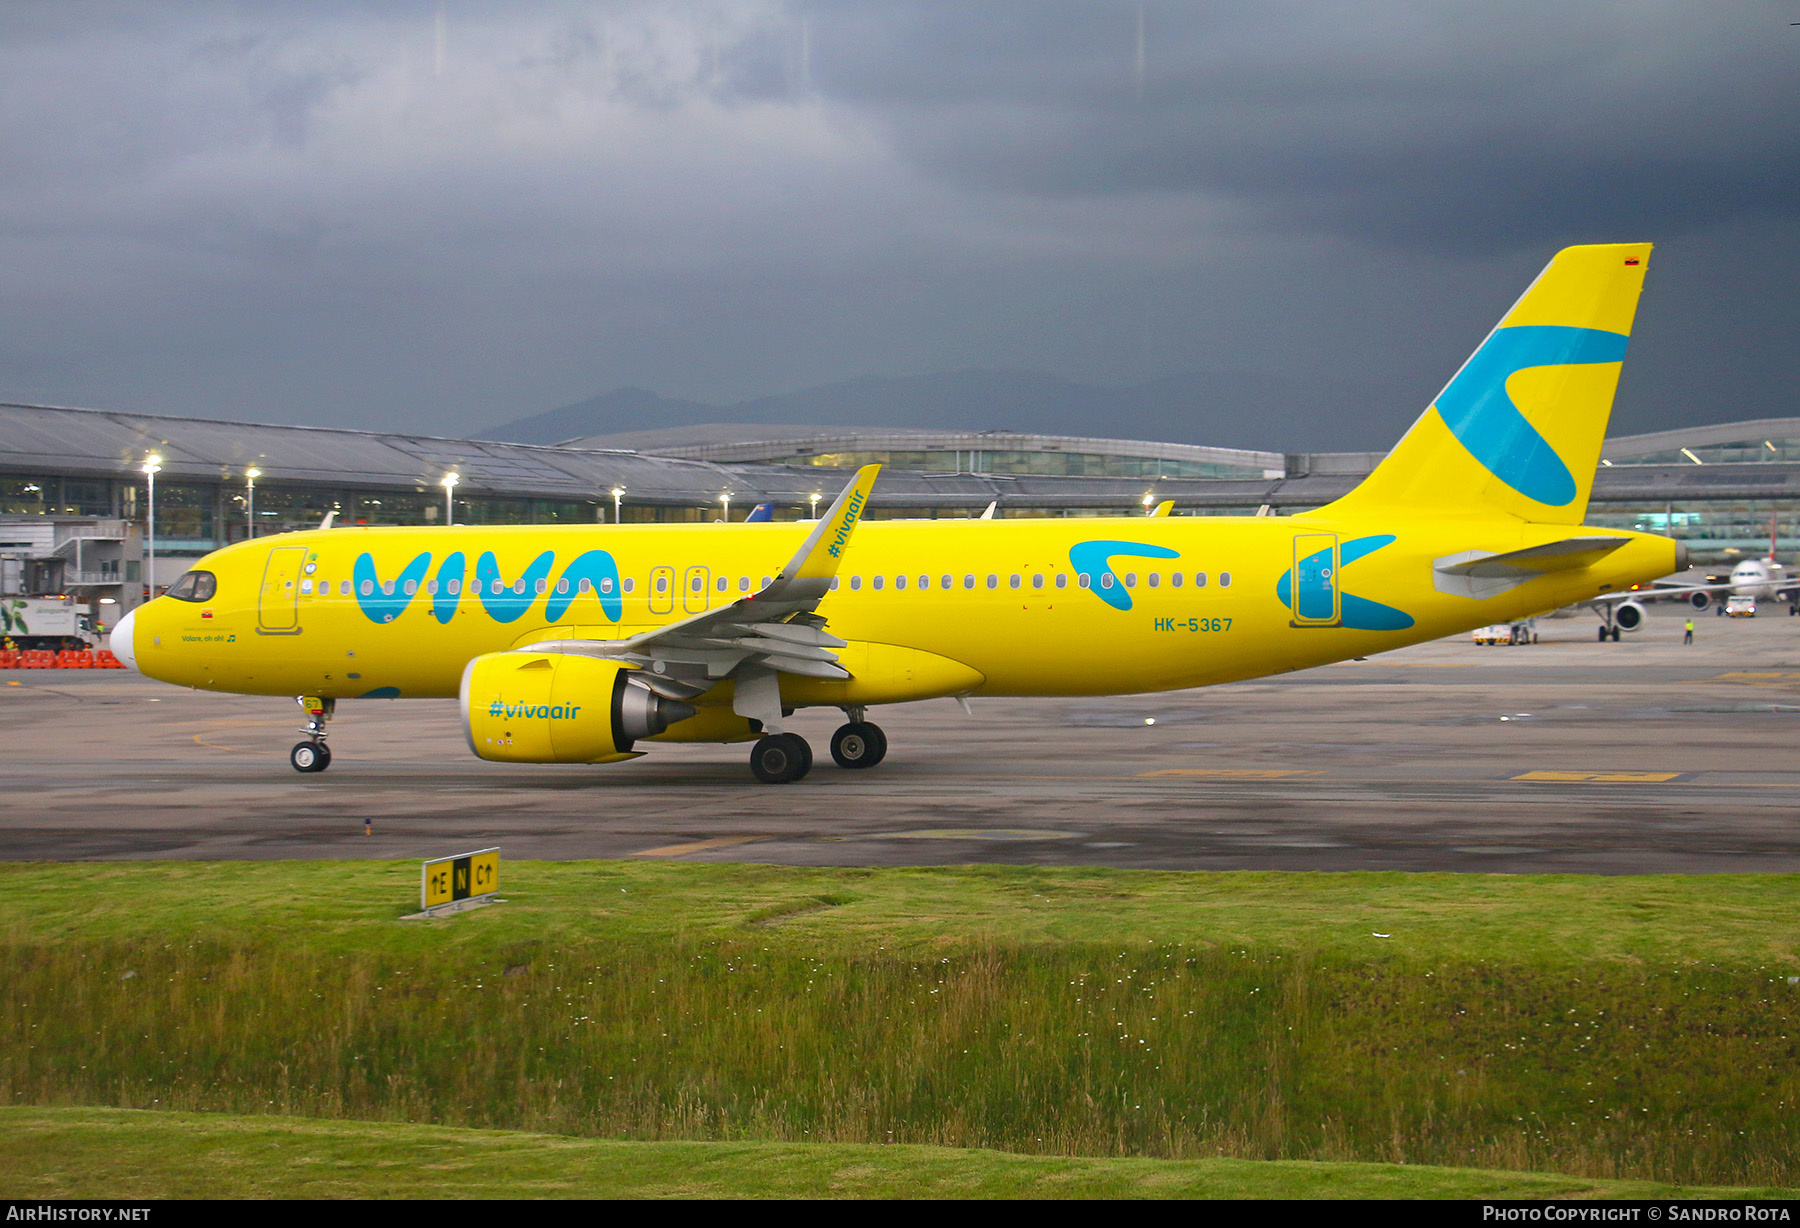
(1518, 430)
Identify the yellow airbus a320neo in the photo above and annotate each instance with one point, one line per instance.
(580, 644)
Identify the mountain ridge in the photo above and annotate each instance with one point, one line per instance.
(1276, 413)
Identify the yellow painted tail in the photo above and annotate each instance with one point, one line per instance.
(1518, 430)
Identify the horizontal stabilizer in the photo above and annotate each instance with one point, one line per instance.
(1481, 574)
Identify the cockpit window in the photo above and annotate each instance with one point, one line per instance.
(195, 586)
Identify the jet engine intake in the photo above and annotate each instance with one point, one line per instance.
(1700, 600)
(551, 707)
(1629, 616)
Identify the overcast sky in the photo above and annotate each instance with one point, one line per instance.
(434, 217)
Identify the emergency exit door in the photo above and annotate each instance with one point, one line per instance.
(1314, 594)
(696, 590)
(278, 605)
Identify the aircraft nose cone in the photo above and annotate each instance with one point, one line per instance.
(122, 646)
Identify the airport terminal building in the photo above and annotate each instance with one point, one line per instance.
(75, 486)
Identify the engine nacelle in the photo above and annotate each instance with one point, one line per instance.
(1700, 600)
(552, 707)
(1629, 616)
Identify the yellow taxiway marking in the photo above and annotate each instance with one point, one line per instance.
(699, 846)
(1235, 773)
(1645, 778)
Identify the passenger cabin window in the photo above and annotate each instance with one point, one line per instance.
(1015, 581)
(993, 581)
(968, 581)
(925, 582)
(1155, 578)
(1106, 579)
(724, 584)
(876, 582)
(628, 585)
(1037, 581)
(899, 581)
(1199, 579)
(1175, 579)
(1224, 579)
(855, 583)
(195, 586)
(1062, 581)
(1131, 579)
(1084, 580)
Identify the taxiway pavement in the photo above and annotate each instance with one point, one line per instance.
(1565, 756)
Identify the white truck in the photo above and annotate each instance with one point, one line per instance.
(1740, 605)
(46, 622)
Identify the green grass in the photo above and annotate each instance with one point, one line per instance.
(126, 1154)
(1614, 1028)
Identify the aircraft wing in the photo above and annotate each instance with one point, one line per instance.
(757, 638)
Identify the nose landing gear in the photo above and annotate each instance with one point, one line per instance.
(313, 755)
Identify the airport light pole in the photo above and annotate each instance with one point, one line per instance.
(618, 493)
(1149, 501)
(726, 500)
(152, 467)
(250, 476)
(815, 504)
(449, 485)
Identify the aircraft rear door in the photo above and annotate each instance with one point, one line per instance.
(1314, 597)
(278, 604)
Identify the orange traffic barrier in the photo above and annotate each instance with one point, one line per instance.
(104, 659)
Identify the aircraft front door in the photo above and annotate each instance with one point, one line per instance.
(696, 590)
(1314, 596)
(278, 605)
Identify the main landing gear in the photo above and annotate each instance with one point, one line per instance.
(858, 745)
(782, 758)
(313, 755)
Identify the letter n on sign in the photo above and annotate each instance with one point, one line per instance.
(451, 884)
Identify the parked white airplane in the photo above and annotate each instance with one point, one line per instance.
(1762, 579)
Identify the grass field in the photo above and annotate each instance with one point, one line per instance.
(50, 1153)
(1615, 1028)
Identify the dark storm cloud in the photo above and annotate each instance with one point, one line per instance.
(371, 214)
(1425, 123)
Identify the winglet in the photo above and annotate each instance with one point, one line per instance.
(824, 546)
(1164, 508)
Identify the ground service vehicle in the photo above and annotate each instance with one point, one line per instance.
(1737, 606)
(50, 623)
(588, 644)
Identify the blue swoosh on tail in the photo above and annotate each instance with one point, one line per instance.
(1484, 419)
(1095, 558)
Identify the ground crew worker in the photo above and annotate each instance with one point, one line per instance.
(1689, 637)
